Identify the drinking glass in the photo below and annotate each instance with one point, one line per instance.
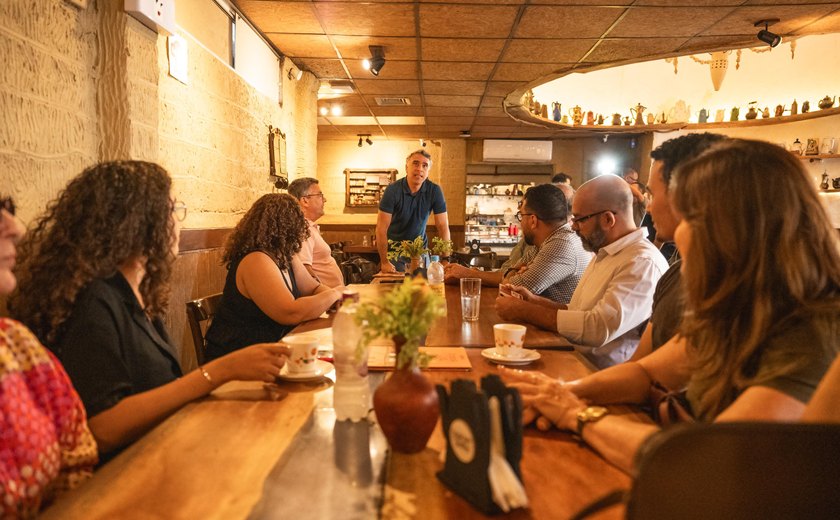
(470, 298)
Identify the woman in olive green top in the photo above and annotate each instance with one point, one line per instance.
(761, 268)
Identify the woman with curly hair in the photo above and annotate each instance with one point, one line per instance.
(94, 285)
(268, 290)
(46, 445)
(761, 269)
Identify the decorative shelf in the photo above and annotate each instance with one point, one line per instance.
(818, 157)
(519, 112)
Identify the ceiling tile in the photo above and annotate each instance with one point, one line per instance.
(827, 24)
(520, 71)
(487, 21)
(792, 18)
(668, 21)
(452, 101)
(351, 120)
(475, 88)
(351, 111)
(545, 50)
(705, 43)
(400, 120)
(495, 121)
(356, 47)
(569, 22)
(357, 19)
(352, 100)
(492, 101)
(450, 111)
(491, 112)
(618, 50)
(405, 131)
(396, 87)
(445, 131)
(391, 70)
(501, 88)
(303, 45)
(323, 69)
(457, 70)
(505, 2)
(396, 111)
(286, 17)
(461, 49)
(695, 2)
(463, 122)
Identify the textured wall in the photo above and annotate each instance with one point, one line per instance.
(49, 128)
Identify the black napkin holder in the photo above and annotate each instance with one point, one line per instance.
(468, 441)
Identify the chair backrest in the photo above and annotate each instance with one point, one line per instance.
(739, 470)
(199, 314)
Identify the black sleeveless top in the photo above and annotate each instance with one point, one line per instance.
(239, 322)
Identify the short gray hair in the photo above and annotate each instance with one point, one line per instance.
(422, 152)
(299, 187)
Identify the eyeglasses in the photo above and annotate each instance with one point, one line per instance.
(581, 220)
(179, 209)
(519, 215)
(313, 195)
(8, 204)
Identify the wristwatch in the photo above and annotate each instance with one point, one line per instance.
(588, 415)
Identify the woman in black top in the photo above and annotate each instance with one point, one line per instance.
(268, 290)
(94, 284)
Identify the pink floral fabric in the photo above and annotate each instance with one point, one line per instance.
(45, 444)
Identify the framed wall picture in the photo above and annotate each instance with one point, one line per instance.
(828, 145)
(812, 148)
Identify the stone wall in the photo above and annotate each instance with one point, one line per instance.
(83, 85)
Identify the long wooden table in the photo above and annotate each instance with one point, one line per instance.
(255, 451)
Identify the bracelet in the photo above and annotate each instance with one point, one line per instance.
(206, 375)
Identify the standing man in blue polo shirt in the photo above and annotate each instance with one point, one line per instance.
(405, 207)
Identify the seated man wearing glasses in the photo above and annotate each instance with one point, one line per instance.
(614, 295)
(315, 253)
(557, 260)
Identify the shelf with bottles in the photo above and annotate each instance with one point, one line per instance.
(364, 188)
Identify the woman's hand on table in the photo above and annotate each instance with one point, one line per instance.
(387, 268)
(259, 362)
(545, 401)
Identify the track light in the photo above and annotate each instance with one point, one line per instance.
(368, 141)
(376, 61)
(360, 141)
(294, 73)
(770, 38)
(324, 110)
(364, 138)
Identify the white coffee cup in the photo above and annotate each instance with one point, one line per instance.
(304, 351)
(509, 339)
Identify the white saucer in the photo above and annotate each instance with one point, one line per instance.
(322, 368)
(528, 357)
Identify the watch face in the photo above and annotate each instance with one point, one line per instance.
(591, 413)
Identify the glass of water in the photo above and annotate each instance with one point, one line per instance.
(470, 298)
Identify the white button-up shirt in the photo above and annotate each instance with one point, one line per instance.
(613, 298)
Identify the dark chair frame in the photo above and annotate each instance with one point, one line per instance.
(198, 312)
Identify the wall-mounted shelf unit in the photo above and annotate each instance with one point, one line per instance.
(364, 188)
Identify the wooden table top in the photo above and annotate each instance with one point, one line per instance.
(213, 458)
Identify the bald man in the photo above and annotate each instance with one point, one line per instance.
(614, 296)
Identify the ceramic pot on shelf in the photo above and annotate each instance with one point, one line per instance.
(616, 120)
(703, 116)
(637, 112)
(406, 407)
(752, 113)
(826, 102)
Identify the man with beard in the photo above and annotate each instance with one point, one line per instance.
(405, 207)
(553, 267)
(614, 295)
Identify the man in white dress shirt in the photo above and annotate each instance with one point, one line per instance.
(315, 253)
(613, 298)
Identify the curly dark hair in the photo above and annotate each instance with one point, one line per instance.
(111, 213)
(679, 149)
(274, 225)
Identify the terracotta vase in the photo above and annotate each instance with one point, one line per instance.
(406, 406)
(414, 265)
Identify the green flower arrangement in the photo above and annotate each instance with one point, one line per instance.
(405, 313)
(406, 249)
(441, 247)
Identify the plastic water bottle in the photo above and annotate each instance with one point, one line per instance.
(435, 276)
(351, 393)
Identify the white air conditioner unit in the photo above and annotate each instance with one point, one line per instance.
(510, 150)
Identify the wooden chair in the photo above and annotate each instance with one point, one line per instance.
(735, 470)
(199, 314)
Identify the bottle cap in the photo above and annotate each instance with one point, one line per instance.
(435, 258)
(349, 294)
